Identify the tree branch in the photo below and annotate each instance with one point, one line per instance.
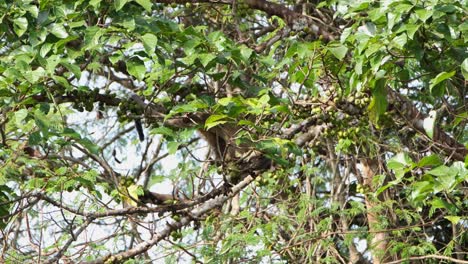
(416, 120)
(185, 220)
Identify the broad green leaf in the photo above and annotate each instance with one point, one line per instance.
(92, 37)
(33, 10)
(172, 147)
(73, 68)
(206, 58)
(439, 203)
(155, 179)
(5, 92)
(20, 115)
(118, 4)
(338, 50)
(34, 76)
(464, 68)
(136, 68)
(440, 78)
(71, 133)
(441, 171)
(95, 3)
(20, 25)
(411, 29)
(225, 101)
(146, 4)
(215, 120)
(45, 48)
(378, 104)
(149, 43)
(89, 145)
(62, 81)
(445, 183)
(400, 40)
(424, 13)
(162, 131)
(453, 218)
(61, 171)
(421, 190)
(129, 23)
(133, 192)
(245, 52)
(400, 160)
(431, 160)
(58, 30)
(42, 122)
(345, 34)
(264, 100)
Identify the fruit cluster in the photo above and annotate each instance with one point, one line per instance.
(128, 109)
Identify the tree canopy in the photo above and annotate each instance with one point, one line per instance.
(233, 131)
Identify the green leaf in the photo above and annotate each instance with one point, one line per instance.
(73, 68)
(20, 115)
(89, 145)
(338, 50)
(441, 171)
(399, 161)
(136, 68)
(134, 191)
(118, 4)
(58, 30)
(146, 4)
(172, 147)
(95, 3)
(400, 41)
(431, 160)
(42, 121)
(33, 10)
(438, 203)
(35, 138)
(92, 37)
(424, 13)
(378, 104)
(245, 52)
(225, 101)
(149, 43)
(206, 58)
(162, 131)
(464, 68)
(421, 190)
(71, 133)
(34, 76)
(20, 25)
(61, 171)
(215, 120)
(453, 218)
(129, 23)
(440, 78)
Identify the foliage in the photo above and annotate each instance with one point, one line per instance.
(294, 131)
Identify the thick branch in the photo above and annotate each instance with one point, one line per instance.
(195, 213)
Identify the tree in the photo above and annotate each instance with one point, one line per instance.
(301, 131)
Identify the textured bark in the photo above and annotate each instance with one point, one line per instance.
(378, 242)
